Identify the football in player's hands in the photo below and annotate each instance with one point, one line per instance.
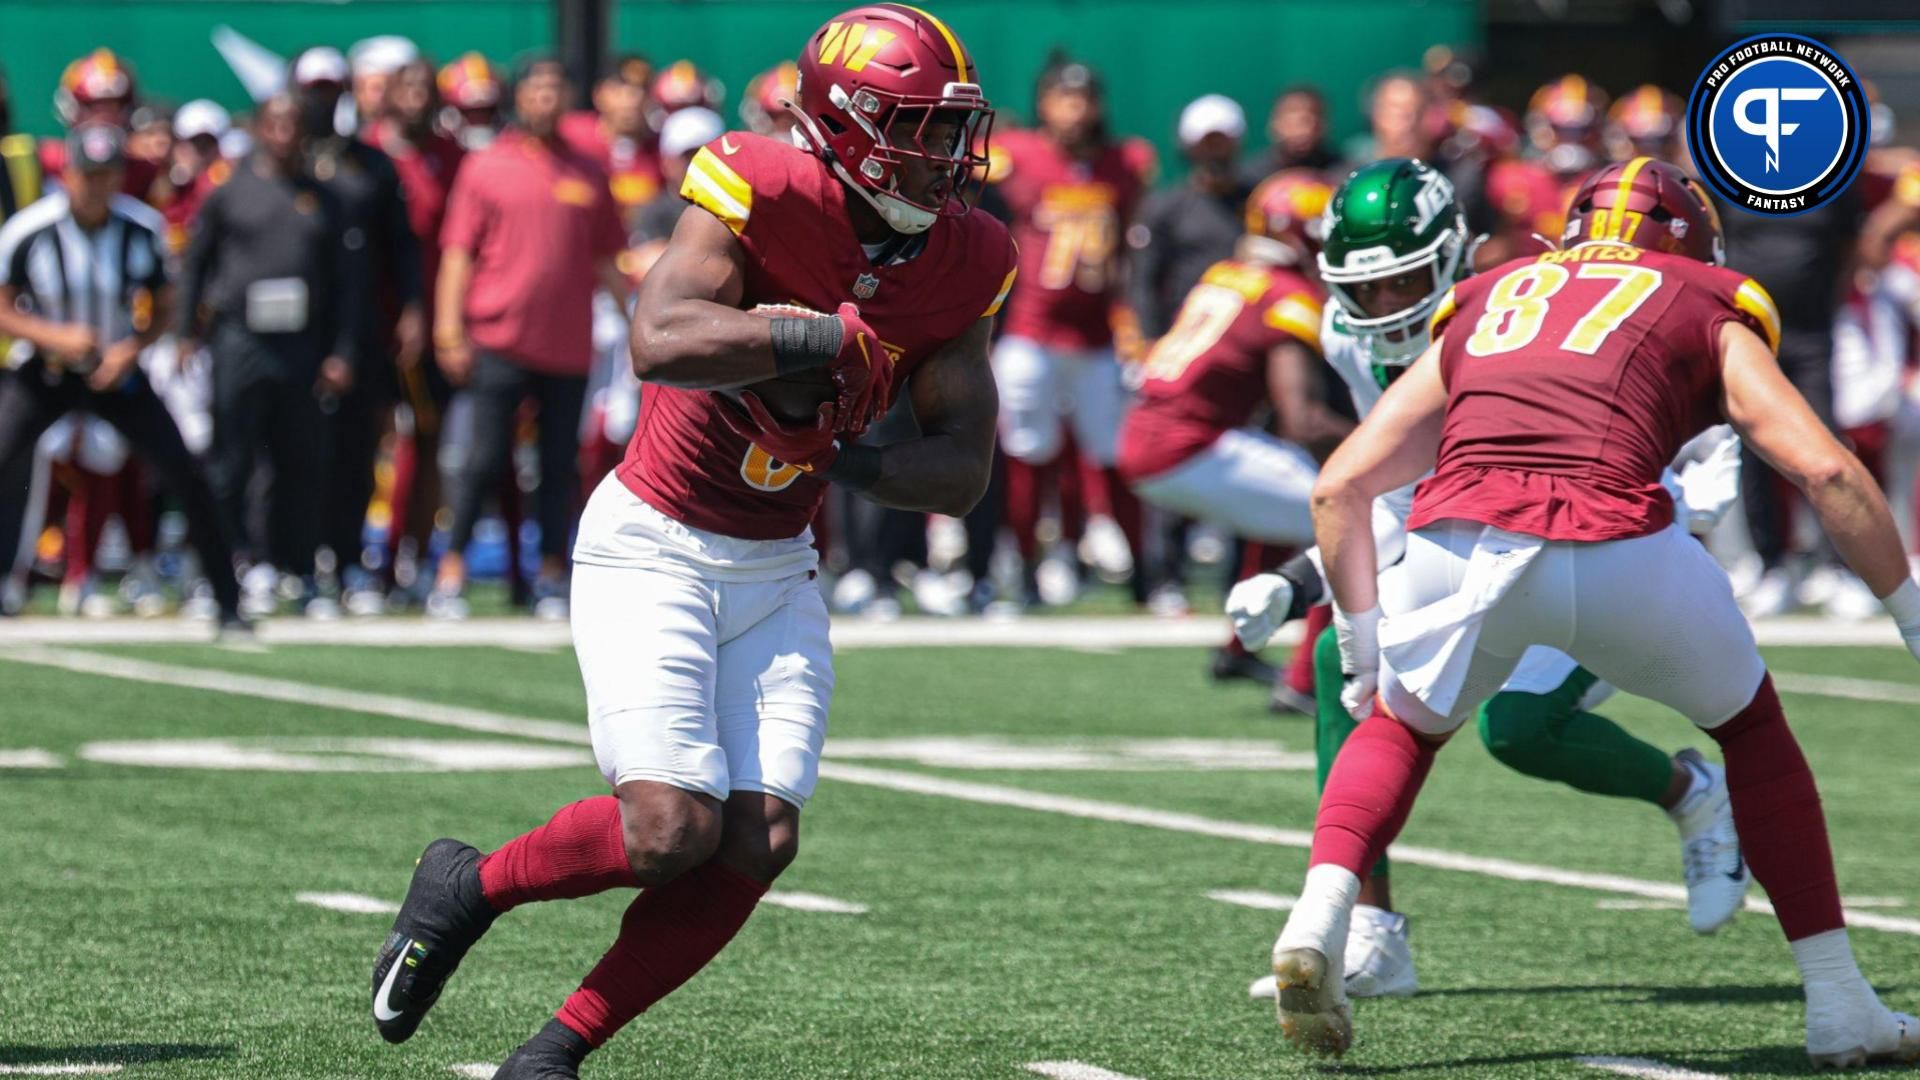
(792, 399)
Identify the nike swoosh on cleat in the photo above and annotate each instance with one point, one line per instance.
(381, 1011)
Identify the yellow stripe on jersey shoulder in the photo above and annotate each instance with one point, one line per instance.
(999, 298)
(1751, 298)
(1298, 314)
(1442, 313)
(712, 185)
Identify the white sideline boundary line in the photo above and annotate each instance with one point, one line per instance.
(348, 903)
(30, 758)
(428, 712)
(477, 1070)
(1645, 1068)
(1086, 632)
(1074, 1070)
(60, 1070)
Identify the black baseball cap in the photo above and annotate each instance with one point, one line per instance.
(94, 146)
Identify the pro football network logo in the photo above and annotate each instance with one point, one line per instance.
(1777, 124)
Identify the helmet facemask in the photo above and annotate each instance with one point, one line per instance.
(1399, 337)
(893, 132)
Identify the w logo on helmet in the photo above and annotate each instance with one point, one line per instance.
(857, 42)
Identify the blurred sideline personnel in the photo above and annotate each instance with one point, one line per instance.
(83, 291)
(701, 634)
(531, 229)
(392, 330)
(195, 167)
(1297, 131)
(1248, 336)
(617, 133)
(1070, 190)
(1545, 521)
(1396, 242)
(1183, 230)
(98, 87)
(427, 161)
(267, 263)
(374, 62)
(763, 103)
(471, 89)
(19, 186)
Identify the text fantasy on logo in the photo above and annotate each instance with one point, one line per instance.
(1777, 124)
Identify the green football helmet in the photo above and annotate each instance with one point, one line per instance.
(1391, 217)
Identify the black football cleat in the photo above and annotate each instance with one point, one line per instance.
(1229, 664)
(444, 914)
(553, 1054)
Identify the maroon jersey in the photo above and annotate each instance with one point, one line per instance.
(1068, 217)
(790, 214)
(1572, 380)
(1208, 373)
(426, 173)
(633, 166)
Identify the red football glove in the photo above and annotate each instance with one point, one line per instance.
(809, 448)
(862, 373)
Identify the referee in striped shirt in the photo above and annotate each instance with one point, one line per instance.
(83, 290)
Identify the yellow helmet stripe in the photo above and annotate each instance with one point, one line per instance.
(959, 54)
(1617, 216)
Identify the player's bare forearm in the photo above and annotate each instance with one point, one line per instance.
(688, 329)
(1396, 443)
(946, 469)
(1293, 384)
(1772, 417)
(450, 294)
(15, 323)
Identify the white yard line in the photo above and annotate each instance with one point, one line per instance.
(1074, 1070)
(60, 1070)
(478, 1070)
(1254, 898)
(30, 758)
(1639, 905)
(299, 693)
(806, 901)
(350, 903)
(1645, 1068)
(916, 783)
(1840, 686)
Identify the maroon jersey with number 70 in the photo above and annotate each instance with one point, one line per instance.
(1573, 378)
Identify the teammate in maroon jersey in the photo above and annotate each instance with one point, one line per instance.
(1070, 191)
(1556, 390)
(701, 633)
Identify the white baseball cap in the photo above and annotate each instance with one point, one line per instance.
(382, 55)
(201, 117)
(1209, 115)
(687, 130)
(320, 64)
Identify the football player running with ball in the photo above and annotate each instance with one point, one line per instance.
(1556, 390)
(701, 634)
(1395, 242)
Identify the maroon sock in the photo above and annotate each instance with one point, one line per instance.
(578, 853)
(1023, 507)
(1776, 809)
(1300, 669)
(667, 935)
(1369, 793)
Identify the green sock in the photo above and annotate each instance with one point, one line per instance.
(1547, 736)
(1332, 725)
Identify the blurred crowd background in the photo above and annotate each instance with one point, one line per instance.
(407, 447)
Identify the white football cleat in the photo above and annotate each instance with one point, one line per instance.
(1847, 1027)
(1716, 871)
(1379, 962)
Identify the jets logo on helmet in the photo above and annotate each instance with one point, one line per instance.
(1390, 219)
(874, 84)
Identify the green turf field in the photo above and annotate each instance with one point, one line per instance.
(149, 916)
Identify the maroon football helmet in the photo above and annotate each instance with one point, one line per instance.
(872, 82)
(1647, 204)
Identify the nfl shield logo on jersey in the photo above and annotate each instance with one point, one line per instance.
(865, 286)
